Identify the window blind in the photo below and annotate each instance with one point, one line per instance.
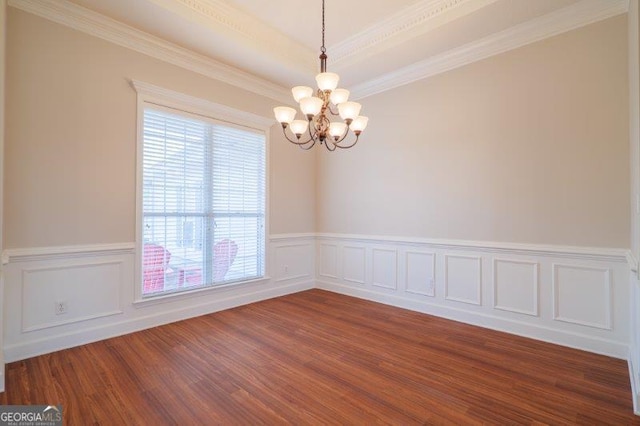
(203, 203)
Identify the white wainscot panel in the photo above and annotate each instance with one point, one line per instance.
(294, 261)
(463, 280)
(87, 291)
(582, 295)
(515, 286)
(353, 264)
(328, 260)
(385, 268)
(420, 273)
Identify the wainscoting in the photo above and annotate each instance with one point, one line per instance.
(573, 296)
(96, 285)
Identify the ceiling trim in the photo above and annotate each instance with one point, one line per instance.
(571, 17)
(219, 16)
(408, 23)
(95, 24)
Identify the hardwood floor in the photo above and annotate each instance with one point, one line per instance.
(321, 358)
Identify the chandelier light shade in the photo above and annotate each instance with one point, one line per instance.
(298, 127)
(284, 114)
(318, 108)
(300, 92)
(327, 81)
(339, 96)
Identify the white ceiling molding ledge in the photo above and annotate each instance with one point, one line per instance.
(408, 23)
(95, 24)
(220, 17)
(571, 17)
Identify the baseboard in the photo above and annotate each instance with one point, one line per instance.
(28, 349)
(573, 340)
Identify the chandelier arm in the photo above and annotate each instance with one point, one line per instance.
(330, 145)
(343, 137)
(312, 135)
(346, 146)
(297, 141)
(308, 147)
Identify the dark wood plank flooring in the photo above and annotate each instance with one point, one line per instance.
(321, 358)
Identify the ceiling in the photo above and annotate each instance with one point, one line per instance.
(373, 44)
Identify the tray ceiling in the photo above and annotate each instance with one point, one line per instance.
(373, 44)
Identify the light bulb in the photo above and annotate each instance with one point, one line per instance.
(327, 80)
(300, 92)
(311, 105)
(298, 127)
(359, 124)
(339, 96)
(284, 114)
(349, 110)
(337, 129)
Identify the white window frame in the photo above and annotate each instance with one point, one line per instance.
(152, 96)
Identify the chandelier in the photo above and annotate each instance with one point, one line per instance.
(319, 109)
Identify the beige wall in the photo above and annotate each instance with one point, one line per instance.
(71, 138)
(530, 146)
(292, 189)
(634, 122)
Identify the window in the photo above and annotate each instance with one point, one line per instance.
(203, 202)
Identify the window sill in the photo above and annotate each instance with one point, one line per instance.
(140, 302)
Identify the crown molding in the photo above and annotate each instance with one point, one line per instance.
(408, 23)
(220, 16)
(575, 16)
(79, 18)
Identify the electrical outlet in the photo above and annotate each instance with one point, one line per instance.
(61, 307)
(286, 268)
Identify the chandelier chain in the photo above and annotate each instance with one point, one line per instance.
(322, 48)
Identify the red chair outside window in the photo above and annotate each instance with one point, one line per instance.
(224, 254)
(155, 260)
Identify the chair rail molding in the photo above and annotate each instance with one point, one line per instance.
(58, 252)
(587, 253)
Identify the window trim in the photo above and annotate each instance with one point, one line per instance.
(158, 97)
